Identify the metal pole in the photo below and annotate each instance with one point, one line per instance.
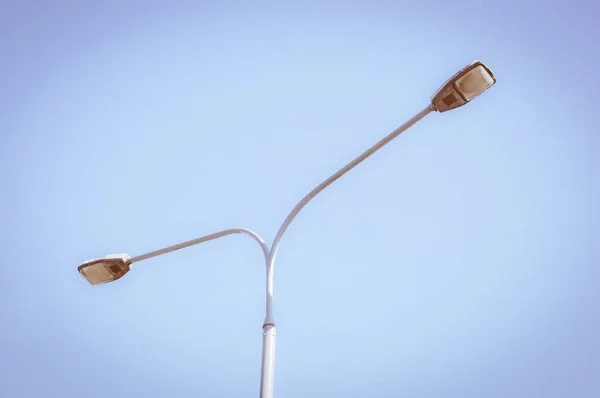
(268, 362)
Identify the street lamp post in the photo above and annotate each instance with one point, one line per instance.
(460, 89)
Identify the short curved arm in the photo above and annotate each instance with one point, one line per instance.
(340, 173)
(265, 249)
(216, 235)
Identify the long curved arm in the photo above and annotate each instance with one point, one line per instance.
(286, 223)
(216, 235)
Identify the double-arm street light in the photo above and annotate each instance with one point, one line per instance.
(460, 89)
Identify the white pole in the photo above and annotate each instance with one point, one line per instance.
(268, 362)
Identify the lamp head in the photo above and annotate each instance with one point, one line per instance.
(105, 269)
(463, 87)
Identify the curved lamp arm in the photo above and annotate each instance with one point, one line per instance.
(286, 223)
(216, 235)
(265, 249)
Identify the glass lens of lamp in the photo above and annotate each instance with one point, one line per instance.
(474, 82)
(97, 273)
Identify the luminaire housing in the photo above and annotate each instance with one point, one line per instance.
(463, 87)
(105, 269)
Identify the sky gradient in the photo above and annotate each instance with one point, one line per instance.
(459, 261)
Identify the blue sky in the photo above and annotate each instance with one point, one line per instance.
(459, 261)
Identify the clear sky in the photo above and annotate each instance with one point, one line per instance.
(460, 261)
